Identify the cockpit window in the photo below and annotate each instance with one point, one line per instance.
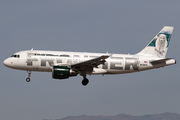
(16, 56)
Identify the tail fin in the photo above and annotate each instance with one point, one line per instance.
(158, 46)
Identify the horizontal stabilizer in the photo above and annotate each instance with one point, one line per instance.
(155, 62)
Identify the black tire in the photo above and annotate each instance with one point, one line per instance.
(85, 82)
(28, 79)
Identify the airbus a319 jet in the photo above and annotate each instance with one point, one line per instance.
(68, 64)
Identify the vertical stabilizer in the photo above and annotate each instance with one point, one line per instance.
(158, 46)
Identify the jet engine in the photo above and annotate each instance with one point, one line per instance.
(62, 72)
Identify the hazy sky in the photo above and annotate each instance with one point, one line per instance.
(117, 26)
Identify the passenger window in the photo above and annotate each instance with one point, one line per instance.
(93, 56)
(116, 57)
(76, 55)
(64, 56)
(85, 56)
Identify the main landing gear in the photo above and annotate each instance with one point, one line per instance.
(29, 74)
(85, 81)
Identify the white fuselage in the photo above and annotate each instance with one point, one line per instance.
(67, 64)
(38, 60)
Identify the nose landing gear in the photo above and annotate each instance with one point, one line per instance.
(29, 74)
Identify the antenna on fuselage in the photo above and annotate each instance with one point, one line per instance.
(31, 49)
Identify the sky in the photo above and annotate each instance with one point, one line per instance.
(116, 26)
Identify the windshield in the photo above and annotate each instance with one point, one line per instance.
(16, 56)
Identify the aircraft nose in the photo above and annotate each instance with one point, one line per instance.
(6, 62)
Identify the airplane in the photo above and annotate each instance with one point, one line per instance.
(68, 64)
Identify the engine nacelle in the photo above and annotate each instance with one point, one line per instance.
(62, 72)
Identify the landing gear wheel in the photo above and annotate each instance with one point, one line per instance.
(28, 79)
(29, 74)
(85, 81)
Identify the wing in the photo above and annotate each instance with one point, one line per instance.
(90, 63)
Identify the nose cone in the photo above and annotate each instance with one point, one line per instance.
(7, 62)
